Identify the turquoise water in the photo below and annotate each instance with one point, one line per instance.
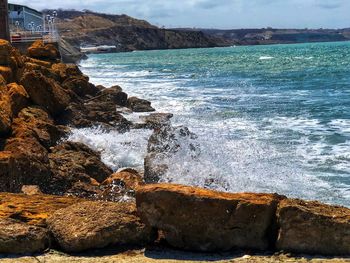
(268, 118)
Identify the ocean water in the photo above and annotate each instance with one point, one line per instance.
(268, 118)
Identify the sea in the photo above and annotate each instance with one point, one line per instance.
(270, 118)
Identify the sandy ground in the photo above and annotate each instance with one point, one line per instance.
(160, 255)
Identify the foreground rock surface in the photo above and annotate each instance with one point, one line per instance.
(313, 228)
(203, 220)
(20, 238)
(97, 225)
(32, 209)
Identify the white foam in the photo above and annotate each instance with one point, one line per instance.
(117, 150)
(266, 58)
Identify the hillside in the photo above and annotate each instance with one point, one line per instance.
(127, 33)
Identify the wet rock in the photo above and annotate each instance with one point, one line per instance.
(20, 238)
(157, 120)
(74, 162)
(121, 185)
(5, 109)
(45, 92)
(204, 220)
(65, 71)
(43, 51)
(162, 145)
(80, 86)
(313, 228)
(139, 105)
(32, 209)
(18, 96)
(113, 95)
(97, 225)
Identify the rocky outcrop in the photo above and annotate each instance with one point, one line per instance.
(97, 225)
(204, 220)
(20, 238)
(44, 52)
(313, 228)
(139, 105)
(46, 92)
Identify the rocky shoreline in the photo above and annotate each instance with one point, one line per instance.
(57, 194)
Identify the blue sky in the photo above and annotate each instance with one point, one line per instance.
(218, 13)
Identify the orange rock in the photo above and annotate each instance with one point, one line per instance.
(45, 92)
(32, 209)
(203, 220)
(5, 109)
(41, 51)
(313, 228)
(6, 72)
(5, 51)
(18, 97)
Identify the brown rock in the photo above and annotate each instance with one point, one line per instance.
(7, 73)
(20, 238)
(80, 86)
(121, 185)
(5, 52)
(98, 224)
(313, 228)
(203, 220)
(32, 209)
(114, 95)
(5, 111)
(45, 92)
(139, 105)
(74, 162)
(67, 71)
(31, 190)
(45, 52)
(18, 97)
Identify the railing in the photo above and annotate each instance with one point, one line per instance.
(27, 36)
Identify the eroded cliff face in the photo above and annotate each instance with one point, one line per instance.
(125, 32)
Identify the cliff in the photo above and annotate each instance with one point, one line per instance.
(125, 32)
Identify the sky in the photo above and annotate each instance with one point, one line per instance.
(224, 14)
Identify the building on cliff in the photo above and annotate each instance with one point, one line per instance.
(25, 18)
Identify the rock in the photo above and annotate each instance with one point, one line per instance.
(5, 110)
(204, 220)
(6, 73)
(121, 185)
(19, 98)
(74, 162)
(20, 238)
(45, 92)
(114, 95)
(139, 105)
(36, 123)
(31, 190)
(157, 120)
(165, 142)
(32, 209)
(97, 225)
(43, 51)
(80, 86)
(66, 71)
(313, 228)
(5, 52)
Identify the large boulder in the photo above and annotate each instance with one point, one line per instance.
(45, 92)
(139, 105)
(21, 238)
(73, 163)
(313, 228)
(32, 209)
(43, 51)
(5, 109)
(80, 86)
(97, 225)
(203, 220)
(6, 73)
(18, 96)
